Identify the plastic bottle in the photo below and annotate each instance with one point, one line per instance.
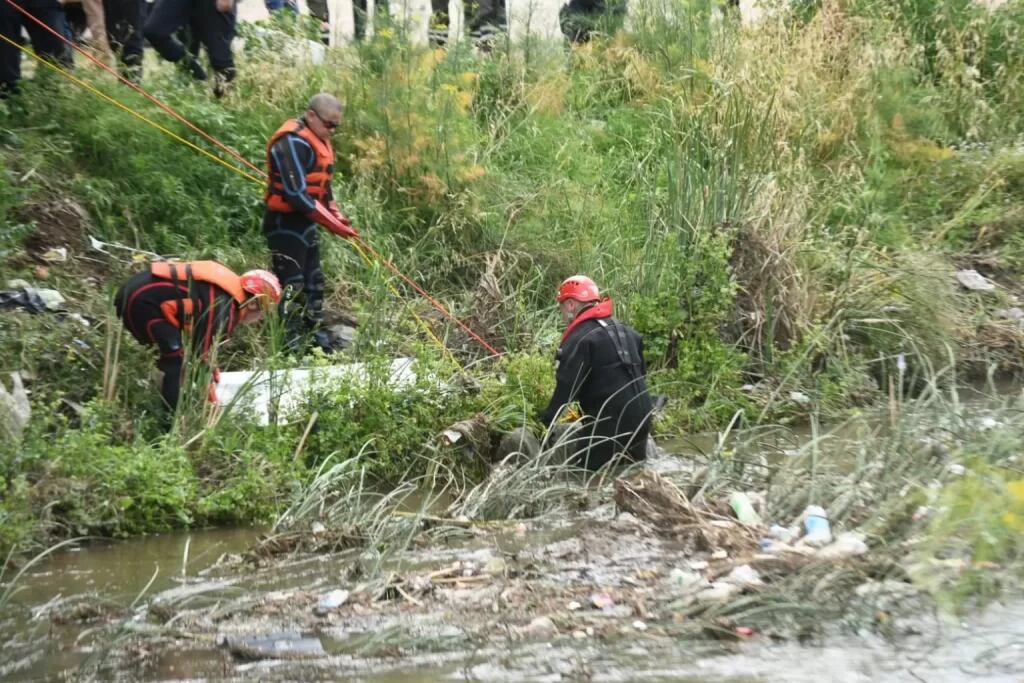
(816, 524)
(744, 509)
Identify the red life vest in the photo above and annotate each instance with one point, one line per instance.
(318, 179)
(182, 274)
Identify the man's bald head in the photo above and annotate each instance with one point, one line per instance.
(326, 115)
(324, 104)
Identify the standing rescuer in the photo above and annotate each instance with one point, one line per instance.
(600, 365)
(200, 298)
(300, 166)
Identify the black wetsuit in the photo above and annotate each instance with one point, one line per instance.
(601, 366)
(294, 241)
(142, 304)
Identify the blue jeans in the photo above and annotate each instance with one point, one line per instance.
(275, 5)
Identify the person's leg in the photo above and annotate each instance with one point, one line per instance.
(125, 28)
(96, 20)
(144, 319)
(163, 22)
(10, 56)
(314, 289)
(75, 20)
(605, 442)
(216, 31)
(171, 361)
(45, 42)
(288, 249)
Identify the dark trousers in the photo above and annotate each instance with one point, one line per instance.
(295, 256)
(123, 20)
(576, 444)
(124, 31)
(214, 29)
(598, 443)
(75, 21)
(44, 43)
(146, 322)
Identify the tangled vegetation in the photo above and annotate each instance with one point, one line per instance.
(779, 211)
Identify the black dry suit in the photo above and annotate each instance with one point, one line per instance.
(600, 364)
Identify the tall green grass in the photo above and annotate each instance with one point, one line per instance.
(780, 208)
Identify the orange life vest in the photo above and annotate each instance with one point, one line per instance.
(318, 179)
(183, 273)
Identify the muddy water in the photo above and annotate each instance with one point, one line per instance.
(188, 607)
(48, 626)
(988, 647)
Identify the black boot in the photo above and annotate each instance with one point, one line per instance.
(191, 66)
(131, 69)
(222, 81)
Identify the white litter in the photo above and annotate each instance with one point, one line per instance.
(845, 545)
(972, 279)
(253, 392)
(745, 576)
(15, 409)
(56, 255)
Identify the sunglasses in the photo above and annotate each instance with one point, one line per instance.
(329, 125)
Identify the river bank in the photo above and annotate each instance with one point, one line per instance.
(817, 222)
(643, 574)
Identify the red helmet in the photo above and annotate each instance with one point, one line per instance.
(262, 283)
(580, 288)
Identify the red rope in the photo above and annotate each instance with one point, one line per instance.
(139, 90)
(422, 292)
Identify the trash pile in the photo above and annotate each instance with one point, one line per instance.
(738, 544)
(33, 299)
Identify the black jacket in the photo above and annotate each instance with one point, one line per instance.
(601, 365)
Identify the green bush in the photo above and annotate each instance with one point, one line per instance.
(395, 425)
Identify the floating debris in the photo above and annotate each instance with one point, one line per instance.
(331, 601)
(287, 645)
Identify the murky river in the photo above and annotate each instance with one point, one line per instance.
(989, 646)
(577, 596)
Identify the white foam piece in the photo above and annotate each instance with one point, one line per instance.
(254, 391)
